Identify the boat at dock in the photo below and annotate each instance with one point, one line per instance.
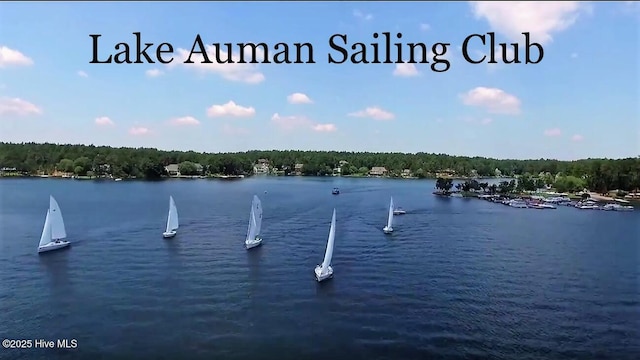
(540, 206)
(517, 203)
(617, 207)
(587, 205)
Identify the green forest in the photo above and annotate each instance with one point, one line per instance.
(599, 175)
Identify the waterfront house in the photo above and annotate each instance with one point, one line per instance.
(172, 169)
(5, 171)
(102, 169)
(261, 167)
(406, 173)
(446, 173)
(378, 171)
(297, 169)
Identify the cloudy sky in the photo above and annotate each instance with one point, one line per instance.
(580, 101)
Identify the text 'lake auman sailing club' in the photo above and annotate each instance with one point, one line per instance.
(383, 50)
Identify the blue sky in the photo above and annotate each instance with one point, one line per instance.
(580, 101)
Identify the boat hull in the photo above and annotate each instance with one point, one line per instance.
(250, 244)
(387, 230)
(399, 212)
(323, 276)
(53, 246)
(170, 234)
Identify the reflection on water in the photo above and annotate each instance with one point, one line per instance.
(254, 256)
(55, 266)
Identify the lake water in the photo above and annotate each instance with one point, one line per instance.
(459, 278)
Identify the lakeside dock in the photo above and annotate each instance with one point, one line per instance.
(549, 200)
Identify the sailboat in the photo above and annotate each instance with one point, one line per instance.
(255, 224)
(389, 229)
(172, 220)
(325, 271)
(53, 232)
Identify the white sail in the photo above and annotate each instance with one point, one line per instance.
(256, 207)
(250, 224)
(58, 231)
(390, 218)
(45, 238)
(172, 218)
(329, 252)
(251, 232)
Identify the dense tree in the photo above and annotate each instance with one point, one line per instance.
(569, 184)
(599, 175)
(66, 165)
(505, 187)
(444, 185)
(188, 168)
(527, 183)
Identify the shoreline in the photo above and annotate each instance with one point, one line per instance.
(464, 194)
(240, 177)
(529, 195)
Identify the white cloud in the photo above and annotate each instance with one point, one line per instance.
(231, 130)
(577, 137)
(230, 109)
(493, 100)
(406, 70)
(299, 98)
(104, 121)
(293, 122)
(247, 73)
(139, 130)
(373, 112)
(82, 74)
(541, 19)
(185, 121)
(360, 15)
(17, 106)
(290, 122)
(325, 128)
(153, 72)
(552, 132)
(10, 57)
(424, 27)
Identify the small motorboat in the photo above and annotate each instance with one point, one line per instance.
(399, 211)
(335, 191)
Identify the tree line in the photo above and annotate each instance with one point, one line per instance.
(523, 183)
(595, 174)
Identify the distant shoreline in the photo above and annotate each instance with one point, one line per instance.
(234, 178)
(241, 177)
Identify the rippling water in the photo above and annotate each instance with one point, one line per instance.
(459, 278)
